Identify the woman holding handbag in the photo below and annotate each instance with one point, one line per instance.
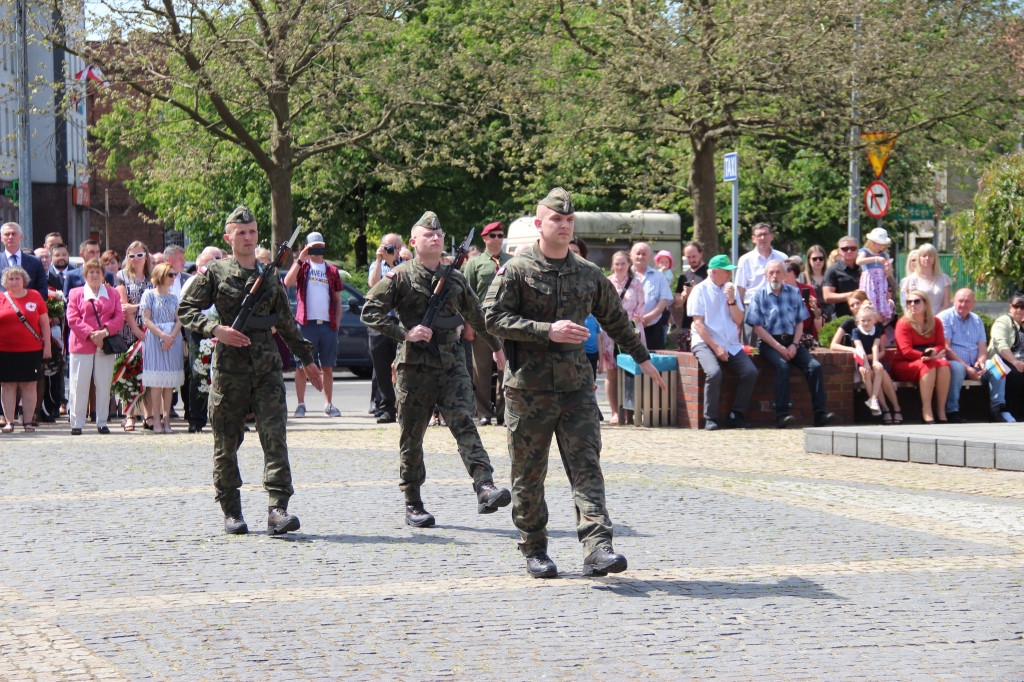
(94, 319)
(24, 340)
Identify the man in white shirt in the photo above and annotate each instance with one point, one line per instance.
(750, 267)
(657, 296)
(715, 339)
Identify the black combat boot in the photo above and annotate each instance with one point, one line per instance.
(602, 561)
(234, 524)
(417, 516)
(540, 565)
(280, 521)
(489, 498)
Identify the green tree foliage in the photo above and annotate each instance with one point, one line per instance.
(991, 237)
(685, 78)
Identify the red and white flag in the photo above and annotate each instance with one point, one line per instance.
(91, 73)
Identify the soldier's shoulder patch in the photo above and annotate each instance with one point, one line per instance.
(501, 271)
(390, 275)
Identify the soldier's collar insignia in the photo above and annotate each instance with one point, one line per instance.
(501, 271)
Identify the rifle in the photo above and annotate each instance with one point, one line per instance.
(255, 293)
(440, 290)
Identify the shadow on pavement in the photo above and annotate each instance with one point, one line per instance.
(716, 589)
(371, 539)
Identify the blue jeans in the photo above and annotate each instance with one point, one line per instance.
(806, 364)
(957, 374)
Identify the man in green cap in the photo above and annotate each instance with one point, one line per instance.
(717, 312)
(431, 366)
(538, 303)
(247, 372)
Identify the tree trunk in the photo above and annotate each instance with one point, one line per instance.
(280, 206)
(702, 186)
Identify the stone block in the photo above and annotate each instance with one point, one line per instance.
(869, 445)
(818, 440)
(949, 451)
(921, 449)
(980, 455)
(844, 444)
(896, 448)
(1010, 456)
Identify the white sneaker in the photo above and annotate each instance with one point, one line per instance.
(331, 410)
(873, 405)
(300, 411)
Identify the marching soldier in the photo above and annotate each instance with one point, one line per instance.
(425, 378)
(247, 372)
(538, 303)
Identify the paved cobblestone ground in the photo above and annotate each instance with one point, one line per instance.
(748, 559)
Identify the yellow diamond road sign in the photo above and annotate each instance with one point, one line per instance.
(879, 147)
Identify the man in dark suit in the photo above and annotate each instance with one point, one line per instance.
(58, 267)
(12, 255)
(88, 250)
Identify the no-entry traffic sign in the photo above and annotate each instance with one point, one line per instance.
(876, 199)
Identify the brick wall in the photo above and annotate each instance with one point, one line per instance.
(837, 367)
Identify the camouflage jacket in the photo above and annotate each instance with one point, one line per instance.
(223, 285)
(530, 293)
(407, 290)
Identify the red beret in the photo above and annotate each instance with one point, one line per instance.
(491, 228)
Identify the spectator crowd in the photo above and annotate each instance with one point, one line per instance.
(110, 329)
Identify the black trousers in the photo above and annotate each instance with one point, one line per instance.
(382, 352)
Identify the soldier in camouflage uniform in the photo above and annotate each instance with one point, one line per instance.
(426, 378)
(538, 303)
(247, 372)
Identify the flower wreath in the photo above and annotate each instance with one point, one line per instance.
(127, 384)
(201, 367)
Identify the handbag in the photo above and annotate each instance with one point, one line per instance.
(112, 345)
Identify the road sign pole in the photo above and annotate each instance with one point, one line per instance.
(735, 219)
(730, 173)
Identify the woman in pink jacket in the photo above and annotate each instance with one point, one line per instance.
(88, 361)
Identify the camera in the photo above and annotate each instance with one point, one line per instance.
(389, 249)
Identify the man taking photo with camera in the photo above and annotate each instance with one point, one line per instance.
(383, 348)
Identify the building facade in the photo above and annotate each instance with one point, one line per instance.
(57, 138)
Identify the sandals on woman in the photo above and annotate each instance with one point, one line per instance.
(8, 428)
(887, 417)
(29, 428)
(897, 417)
(128, 424)
(147, 424)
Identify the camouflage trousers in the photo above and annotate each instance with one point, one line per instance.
(572, 417)
(232, 396)
(418, 390)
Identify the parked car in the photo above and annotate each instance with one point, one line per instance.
(353, 349)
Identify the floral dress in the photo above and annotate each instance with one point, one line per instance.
(134, 288)
(632, 298)
(875, 284)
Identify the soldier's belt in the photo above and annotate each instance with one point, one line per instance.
(261, 323)
(550, 346)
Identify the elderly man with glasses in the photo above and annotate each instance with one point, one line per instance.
(479, 272)
(843, 277)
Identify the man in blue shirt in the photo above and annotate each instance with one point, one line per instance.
(657, 296)
(966, 348)
(777, 314)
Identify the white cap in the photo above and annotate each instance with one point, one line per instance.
(879, 236)
(314, 238)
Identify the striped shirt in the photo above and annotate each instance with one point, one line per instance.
(963, 335)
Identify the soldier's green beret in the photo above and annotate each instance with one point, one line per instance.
(428, 220)
(559, 201)
(240, 215)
